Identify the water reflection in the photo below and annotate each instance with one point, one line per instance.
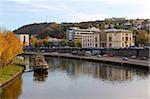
(75, 68)
(40, 76)
(74, 79)
(13, 91)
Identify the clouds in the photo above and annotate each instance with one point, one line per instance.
(20, 12)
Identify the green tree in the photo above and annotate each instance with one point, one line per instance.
(64, 42)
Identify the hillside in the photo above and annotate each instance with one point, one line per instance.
(58, 30)
(42, 30)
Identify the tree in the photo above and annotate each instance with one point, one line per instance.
(11, 48)
(142, 37)
(2, 43)
(3, 46)
(77, 42)
(45, 41)
(64, 42)
(135, 33)
(33, 41)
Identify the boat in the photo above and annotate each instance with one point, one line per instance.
(39, 63)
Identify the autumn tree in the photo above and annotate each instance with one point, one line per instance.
(33, 41)
(77, 42)
(45, 40)
(10, 49)
(2, 46)
(142, 37)
(2, 43)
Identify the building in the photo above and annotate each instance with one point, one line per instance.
(116, 38)
(24, 38)
(88, 37)
(115, 19)
(90, 40)
(51, 39)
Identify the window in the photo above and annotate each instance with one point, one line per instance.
(96, 39)
(96, 45)
(126, 38)
(103, 44)
(122, 44)
(110, 45)
(100, 37)
(110, 38)
(122, 38)
(24, 39)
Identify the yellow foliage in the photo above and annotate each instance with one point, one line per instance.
(2, 43)
(34, 40)
(11, 47)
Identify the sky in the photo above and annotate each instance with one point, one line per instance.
(16, 13)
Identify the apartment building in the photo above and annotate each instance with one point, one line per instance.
(116, 38)
(90, 40)
(109, 38)
(88, 37)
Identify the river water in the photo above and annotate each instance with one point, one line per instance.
(80, 79)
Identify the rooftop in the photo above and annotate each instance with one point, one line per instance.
(116, 30)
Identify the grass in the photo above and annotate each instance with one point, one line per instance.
(8, 72)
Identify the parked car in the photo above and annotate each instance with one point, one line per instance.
(74, 52)
(132, 47)
(146, 47)
(143, 58)
(88, 53)
(125, 58)
(99, 56)
(54, 53)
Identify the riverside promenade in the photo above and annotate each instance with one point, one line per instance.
(117, 60)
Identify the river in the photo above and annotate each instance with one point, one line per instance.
(80, 79)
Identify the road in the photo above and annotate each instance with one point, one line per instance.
(118, 60)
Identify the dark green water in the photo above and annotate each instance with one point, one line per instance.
(76, 79)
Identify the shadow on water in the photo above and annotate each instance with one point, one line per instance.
(40, 76)
(13, 91)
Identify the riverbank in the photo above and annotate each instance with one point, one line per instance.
(116, 60)
(9, 73)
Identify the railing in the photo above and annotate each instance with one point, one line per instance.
(138, 52)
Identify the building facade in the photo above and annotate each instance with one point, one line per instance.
(88, 37)
(90, 40)
(24, 38)
(109, 38)
(116, 38)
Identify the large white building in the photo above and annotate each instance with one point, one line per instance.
(88, 37)
(116, 38)
(109, 38)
